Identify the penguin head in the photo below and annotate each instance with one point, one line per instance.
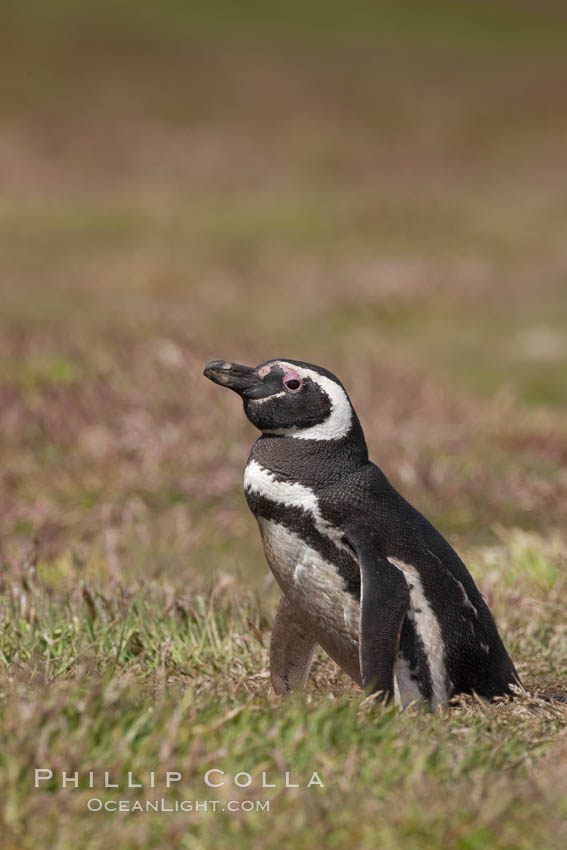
(288, 398)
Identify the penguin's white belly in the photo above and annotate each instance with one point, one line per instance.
(316, 591)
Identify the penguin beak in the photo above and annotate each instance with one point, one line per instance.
(242, 379)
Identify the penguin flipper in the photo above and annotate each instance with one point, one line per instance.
(291, 650)
(384, 602)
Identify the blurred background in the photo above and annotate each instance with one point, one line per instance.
(379, 188)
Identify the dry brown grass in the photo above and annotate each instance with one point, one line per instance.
(380, 194)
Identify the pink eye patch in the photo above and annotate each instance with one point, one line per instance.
(292, 381)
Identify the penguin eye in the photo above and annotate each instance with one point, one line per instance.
(292, 382)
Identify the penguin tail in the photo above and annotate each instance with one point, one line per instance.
(562, 698)
(517, 690)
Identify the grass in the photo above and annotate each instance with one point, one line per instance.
(148, 678)
(377, 193)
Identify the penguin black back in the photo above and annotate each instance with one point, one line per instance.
(362, 572)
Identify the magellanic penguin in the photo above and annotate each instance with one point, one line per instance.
(362, 572)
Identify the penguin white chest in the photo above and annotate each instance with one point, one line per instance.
(312, 584)
(316, 590)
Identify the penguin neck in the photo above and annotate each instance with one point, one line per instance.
(315, 463)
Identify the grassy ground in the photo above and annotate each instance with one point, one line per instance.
(378, 193)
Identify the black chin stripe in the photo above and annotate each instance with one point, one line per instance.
(312, 463)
